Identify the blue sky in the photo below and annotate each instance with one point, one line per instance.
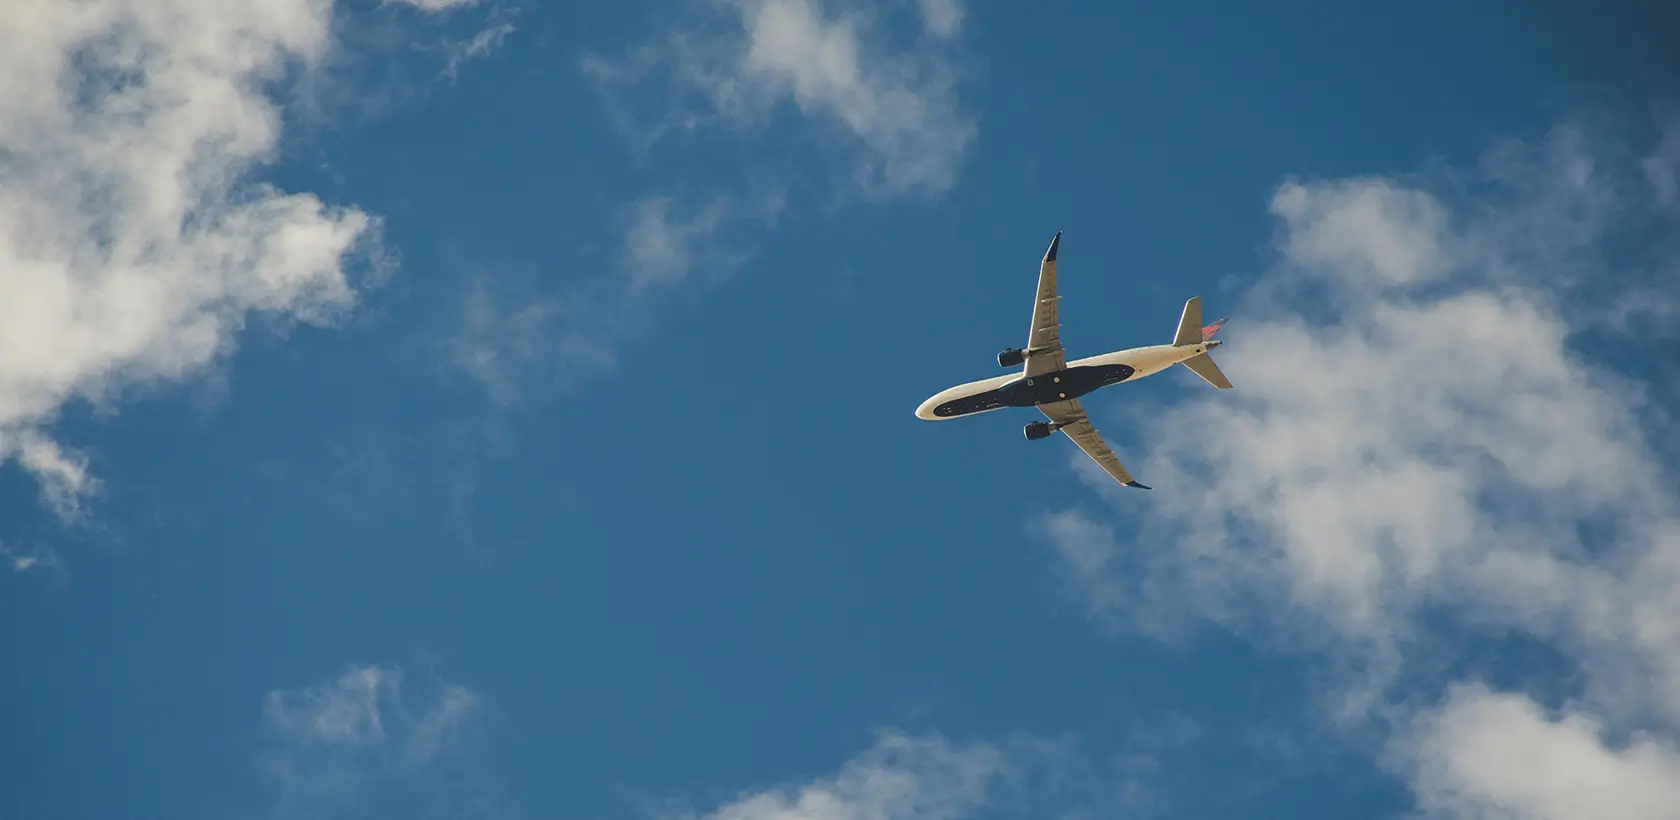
(484, 409)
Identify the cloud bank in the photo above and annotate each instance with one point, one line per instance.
(1428, 453)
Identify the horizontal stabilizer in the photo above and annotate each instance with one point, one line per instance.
(1202, 365)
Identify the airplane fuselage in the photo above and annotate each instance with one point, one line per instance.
(1076, 379)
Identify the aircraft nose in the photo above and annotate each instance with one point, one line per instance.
(925, 410)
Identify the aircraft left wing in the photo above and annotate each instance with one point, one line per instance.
(1070, 415)
(1044, 342)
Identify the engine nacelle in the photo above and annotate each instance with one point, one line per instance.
(1037, 430)
(1011, 357)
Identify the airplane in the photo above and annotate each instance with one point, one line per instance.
(1053, 385)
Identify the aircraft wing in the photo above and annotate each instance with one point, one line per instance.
(1071, 414)
(1044, 342)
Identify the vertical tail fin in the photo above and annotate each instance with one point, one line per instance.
(1209, 331)
(1190, 323)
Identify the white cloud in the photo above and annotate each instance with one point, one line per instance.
(1363, 230)
(1490, 755)
(133, 249)
(896, 105)
(360, 736)
(900, 778)
(1416, 435)
(135, 240)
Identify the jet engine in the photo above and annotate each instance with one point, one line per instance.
(1011, 357)
(1038, 429)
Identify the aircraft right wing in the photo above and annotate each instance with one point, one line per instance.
(1044, 341)
(1070, 415)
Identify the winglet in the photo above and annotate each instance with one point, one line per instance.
(1134, 483)
(1050, 255)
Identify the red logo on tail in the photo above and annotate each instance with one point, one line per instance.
(1207, 332)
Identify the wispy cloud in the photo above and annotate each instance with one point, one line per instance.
(906, 776)
(134, 239)
(891, 103)
(478, 46)
(516, 338)
(1418, 435)
(63, 476)
(29, 560)
(1662, 167)
(661, 249)
(942, 18)
(902, 777)
(335, 745)
(510, 338)
(496, 26)
(432, 5)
